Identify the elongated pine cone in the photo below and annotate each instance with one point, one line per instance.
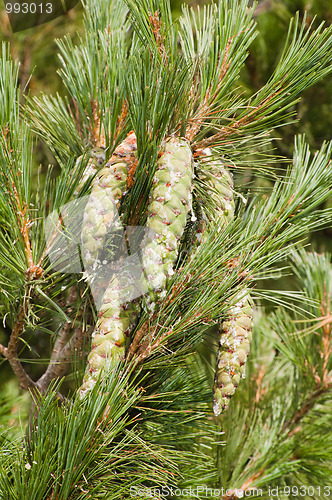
(218, 205)
(101, 210)
(219, 188)
(234, 345)
(170, 203)
(117, 318)
(235, 330)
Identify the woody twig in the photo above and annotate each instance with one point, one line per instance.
(59, 360)
(10, 352)
(235, 127)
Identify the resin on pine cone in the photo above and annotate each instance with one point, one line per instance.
(101, 210)
(169, 204)
(234, 345)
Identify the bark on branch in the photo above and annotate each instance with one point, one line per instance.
(10, 352)
(66, 345)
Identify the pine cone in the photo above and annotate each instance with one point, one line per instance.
(234, 348)
(110, 338)
(218, 205)
(101, 209)
(235, 330)
(219, 189)
(170, 202)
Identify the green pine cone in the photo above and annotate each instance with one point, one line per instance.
(234, 345)
(101, 210)
(219, 188)
(112, 332)
(218, 205)
(170, 203)
(235, 330)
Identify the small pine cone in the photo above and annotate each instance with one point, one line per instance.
(219, 185)
(234, 348)
(96, 160)
(101, 210)
(110, 338)
(170, 203)
(235, 331)
(197, 233)
(218, 206)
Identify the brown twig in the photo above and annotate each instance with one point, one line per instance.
(59, 364)
(24, 224)
(323, 381)
(246, 486)
(121, 120)
(307, 405)
(98, 130)
(147, 348)
(233, 127)
(33, 271)
(196, 121)
(75, 343)
(10, 352)
(135, 344)
(156, 30)
(63, 348)
(141, 350)
(260, 390)
(17, 330)
(25, 381)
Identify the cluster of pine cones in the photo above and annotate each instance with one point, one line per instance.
(170, 206)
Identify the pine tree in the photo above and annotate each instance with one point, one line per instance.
(139, 266)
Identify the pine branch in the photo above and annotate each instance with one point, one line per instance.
(252, 238)
(130, 72)
(135, 343)
(11, 354)
(287, 431)
(53, 120)
(295, 387)
(62, 350)
(58, 363)
(294, 425)
(218, 39)
(305, 59)
(153, 24)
